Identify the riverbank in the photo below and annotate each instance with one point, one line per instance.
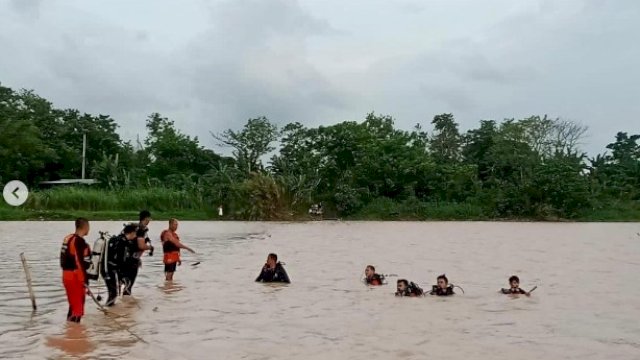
(21, 214)
(124, 205)
(620, 214)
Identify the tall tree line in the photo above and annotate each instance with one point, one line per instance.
(530, 167)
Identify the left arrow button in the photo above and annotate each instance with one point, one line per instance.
(15, 193)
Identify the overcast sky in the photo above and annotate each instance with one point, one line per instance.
(211, 65)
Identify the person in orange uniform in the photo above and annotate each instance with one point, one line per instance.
(171, 246)
(75, 257)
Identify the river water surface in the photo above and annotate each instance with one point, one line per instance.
(587, 305)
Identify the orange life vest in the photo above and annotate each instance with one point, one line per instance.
(170, 250)
(75, 254)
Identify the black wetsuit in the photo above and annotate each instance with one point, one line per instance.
(438, 291)
(132, 260)
(112, 265)
(278, 274)
(411, 290)
(514, 291)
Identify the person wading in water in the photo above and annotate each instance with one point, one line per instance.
(136, 248)
(171, 246)
(273, 271)
(371, 278)
(115, 260)
(75, 258)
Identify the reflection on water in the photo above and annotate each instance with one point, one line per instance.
(171, 287)
(586, 305)
(74, 342)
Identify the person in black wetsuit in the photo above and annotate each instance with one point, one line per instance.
(135, 249)
(273, 271)
(112, 266)
(371, 278)
(514, 283)
(443, 288)
(406, 288)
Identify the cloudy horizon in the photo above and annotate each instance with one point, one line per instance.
(211, 65)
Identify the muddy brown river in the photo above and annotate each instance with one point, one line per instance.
(586, 306)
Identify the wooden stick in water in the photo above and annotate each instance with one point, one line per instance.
(29, 285)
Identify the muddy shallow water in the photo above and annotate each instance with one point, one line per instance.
(587, 305)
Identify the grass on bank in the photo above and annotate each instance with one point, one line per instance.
(22, 214)
(95, 199)
(67, 203)
(613, 211)
(413, 209)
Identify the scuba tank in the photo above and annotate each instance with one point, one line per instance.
(415, 289)
(97, 254)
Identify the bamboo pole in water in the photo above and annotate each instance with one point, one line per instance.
(27, 272)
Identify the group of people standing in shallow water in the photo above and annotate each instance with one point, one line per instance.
(116, 259)
(442, 287)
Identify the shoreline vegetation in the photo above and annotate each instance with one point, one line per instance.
(61, 215)
(529, 169)
(104, 205)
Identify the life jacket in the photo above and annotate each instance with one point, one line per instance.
(170, 251)
(375, 280)
(75, 254)
(436, 290)
(513, 291)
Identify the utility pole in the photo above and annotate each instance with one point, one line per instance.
(84, 152)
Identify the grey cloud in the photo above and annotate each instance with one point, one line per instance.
(27, 7)
(572, 59)
(253, 61)
(569, 61)
(411, 7)
(94, 66)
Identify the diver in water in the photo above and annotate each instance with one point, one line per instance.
(371, 277)
(114, 260)
(514, 283)
(134, 252)
(273, 271)
(443, 288)
(410, 289)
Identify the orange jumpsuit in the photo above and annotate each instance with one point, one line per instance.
(75, 257)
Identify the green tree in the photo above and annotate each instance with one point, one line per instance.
(251, 143)
(446, 140)
(24, 153)
(172, 153)
(617, 175)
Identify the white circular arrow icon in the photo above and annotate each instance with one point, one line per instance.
(15, 193)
